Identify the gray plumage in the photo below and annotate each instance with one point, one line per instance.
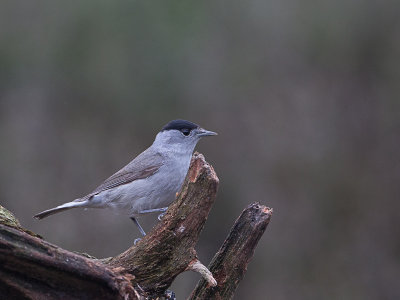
(143, 166)
(149, 182)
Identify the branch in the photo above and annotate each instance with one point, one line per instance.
(230, 263)
(198, 267)
(31, 268)
(169, 249)
(35, 269)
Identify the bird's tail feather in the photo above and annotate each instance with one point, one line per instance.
(63, 207)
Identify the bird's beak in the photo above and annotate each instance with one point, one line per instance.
(203, 132)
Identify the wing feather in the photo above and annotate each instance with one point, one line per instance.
(144, 165)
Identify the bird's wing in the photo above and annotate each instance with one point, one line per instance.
(143, 166)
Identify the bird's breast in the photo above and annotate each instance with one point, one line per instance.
(173, 173)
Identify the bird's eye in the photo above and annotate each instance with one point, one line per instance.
(185, 131)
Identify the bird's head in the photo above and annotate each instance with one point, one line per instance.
(180, 136)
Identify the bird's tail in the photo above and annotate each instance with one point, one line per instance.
(59, 208)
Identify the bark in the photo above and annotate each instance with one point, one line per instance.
(230, 263)
(169, 250)
(31, 268)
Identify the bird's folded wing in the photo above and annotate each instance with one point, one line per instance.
(143, 166)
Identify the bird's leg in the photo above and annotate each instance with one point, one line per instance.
(162, 210)
(140, 229)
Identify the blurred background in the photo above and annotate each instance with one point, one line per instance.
(304, 96)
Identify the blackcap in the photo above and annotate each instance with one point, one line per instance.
(149, 183)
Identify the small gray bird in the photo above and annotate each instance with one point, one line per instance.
(149, 183)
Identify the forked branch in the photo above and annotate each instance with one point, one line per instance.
(31, 268)
(170, 247)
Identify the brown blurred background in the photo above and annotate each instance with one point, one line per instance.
(304, 96)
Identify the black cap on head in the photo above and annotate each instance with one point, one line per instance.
(179, 125)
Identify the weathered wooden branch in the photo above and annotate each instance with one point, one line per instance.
(31, 268)
(169, 250)
(230, 263)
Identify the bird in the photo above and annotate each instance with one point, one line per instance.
(151, 181)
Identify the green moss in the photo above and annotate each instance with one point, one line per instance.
(8, 219)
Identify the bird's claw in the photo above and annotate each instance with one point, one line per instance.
(136, 241)
(170, 295)
(160, 216)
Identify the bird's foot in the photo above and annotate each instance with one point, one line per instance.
(170, 295)
(137, 241)
(160, 216)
